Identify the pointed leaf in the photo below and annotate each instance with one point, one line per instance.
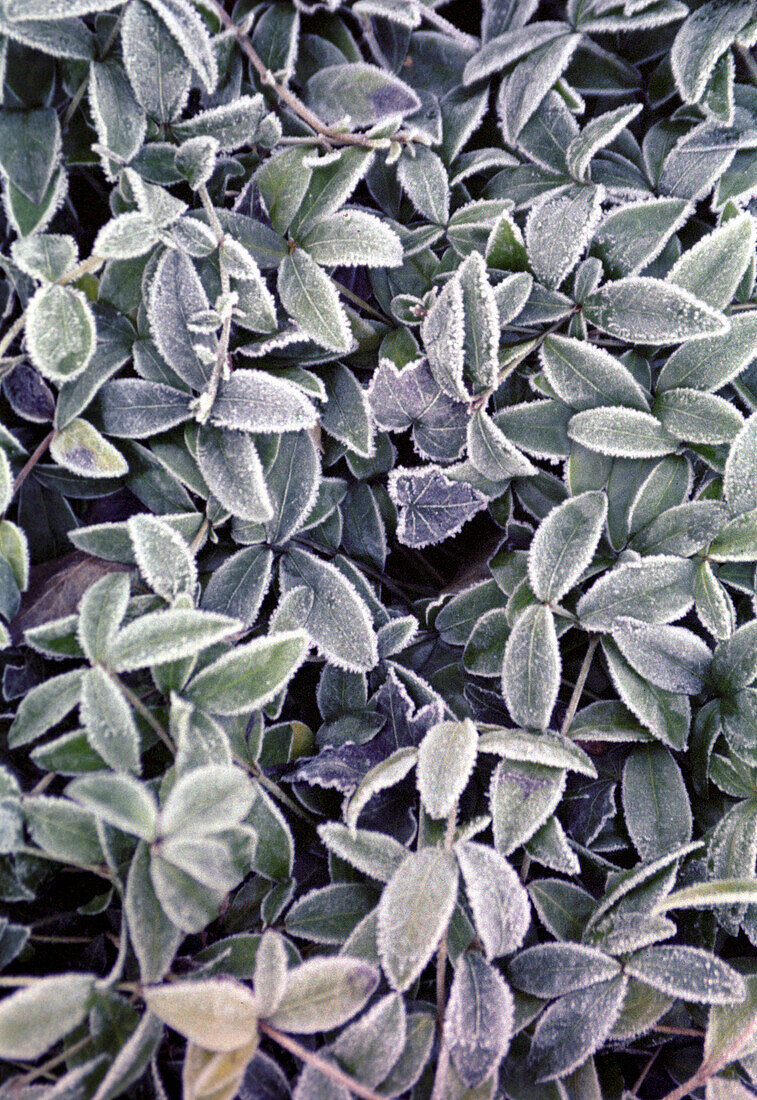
(564, 545)
(531, 669)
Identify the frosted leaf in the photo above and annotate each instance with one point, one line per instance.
(45, 256)
(656, 589)
(369, 93)
(666, 715)
(710, 363)
(703, 37)
(499, 902)
(80, 448)
(446, 757)
(351, 238)
(597, 134)
(713, 268)
(163, 557)
(312, 301)
(61, 333)
(368, 1049)
(254, 401)
(107, 718)
(231, 467)
(133, 408)
(689, 973)
(30, 150)
(424, 180)
(655, 801)
(249, 676)
(698, 417)
(188, 29)
(120, 121)
(522, 797)
(564, 545)
(621, 433)
(574, 1027)
(633, 235)
(554, 969)
(161, 636)
(158, 70)
(682, 529)
(478, 1022)
(125, 237)
(740, 478)
(443, 335)
(432, 508)
(492, 453)
(585, 376)
(230, 124)
(374, 854)
(642, 310)
(531, 669)
(558, 231)
(414, 911)
(412, 398)
(481, 324)
(176, 294)
(524, 89)
(504, 49)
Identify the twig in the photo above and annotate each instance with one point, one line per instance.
(313, 1059)
(710, 1067)
(642, 1076)
(138, 705)
(32, 462)
(328, 134)
(358, 301)
(575, 698)
(53, 1063)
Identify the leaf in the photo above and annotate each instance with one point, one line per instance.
(30, 148)
(551, 749)
(481, 324)
(506, 250)
(665, 715)
(558, 230)
(188, 29)
(585, 377)
(44, 706)
(414, 911)
(125, 237)
(163, 556)
(80, 448)
(643, 310)
(669, 657)
(656, 589)
(424, 180)
(502, 49)
(119, 800)
(632, 236)
(432, 508)
(206, 800)
(655, 802)
(446, 757)
(46, 256)
(375, 854)
(218, 1013)
(60, 332)
(550, 970)
(63, 830)
(713, 268)
(239, 586)
(687, 972)
(119, 120)
(521, 797)
(346, 414)
(710, 363)
(478, 1023)
(500, 906)
(311, 300)
(107, 718)
(229, 462)
(352, 238)
(698, 417)
(740, 477)
(54, 9)
(338, 620)
(596, 135)
(621, 433)
(368, 1049)
(161, 636)
(387, 773)
(324, 993)
(34, 1018)
(158, 71)
(176, 295)
(154, 939)
(330, 915)
(701, 39)
(564, 545)
(524, 90)
(371, 94)
(249, 676)
(730, 1031)
(531, 669)
(574, 1027)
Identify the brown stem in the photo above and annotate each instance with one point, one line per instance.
(709, 1067)
(327, 133)
(575, 698)
(136, 702)
(313, 1059)
(32, 462)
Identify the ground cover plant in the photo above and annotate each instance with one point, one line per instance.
(378, 476)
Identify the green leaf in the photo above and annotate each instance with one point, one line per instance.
(478, 1022)
(446, 757)
(374, 854)
(713, 268)
(414, 911)
(370, 93)
(239, 586)
(119, 120)
(550, 749)
(521, 798)
(80, 448)
(176, 295)
(206, 800)
(633, 235)
(735, 542)
(217, 1013)
(163, 557)
(329, 915)
(706, 895)
(338, 620)
(107, 718)
(648, 311)
(34, 1018)
(6, 482)
(710, 363)
(596, 135)
(125, 237)
(698, 417)
(731, 1031)
(158, 70)
(162, 636)
(311, 300)
(249, 676)
(255, 401)
(324, 993)
(558, 231)
(424, 180)
(368, 1049)
(668, 657)
(231, 466)
(119, 800)
(740, 477)
(702, 38)
(621, 433)
(531, 669)
(44, 706)
(154, 939)
(687, 972)
(188, 29)
(347, 414)
(655, 802)
(352, 238)
(30, 148)
(63, 830)
(45, 256)
(554, 969)
(60, 332)
(584, 376)
(564, 545)
(656, 589)
(666, 715)
(574, 1027)
(498, 901)
(283, 180)
(378, 778)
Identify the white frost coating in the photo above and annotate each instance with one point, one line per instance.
(633, 235)
(190, 32)
(621, 433)
(643, 310)
(585, 376)
(657, 589)
(481, 323)
(669, 657)
(701, 40)
(54, 199)
(446, 758)
(597, 134)
(713, 268)
(564, 545)
(558, 230)
(432, 507)
(351, 238)
(163, 556)
(380, 777)
(531, 668)
(424, 181)
(500, 904)
(443, 335)
(740, 477)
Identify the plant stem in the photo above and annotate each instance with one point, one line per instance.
(53, 1063)
(575, 698)
(313, 1059)
(32, 462)
(138, 705)
(710, 1067)
(358, 301)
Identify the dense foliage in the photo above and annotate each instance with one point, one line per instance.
(290, 805)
